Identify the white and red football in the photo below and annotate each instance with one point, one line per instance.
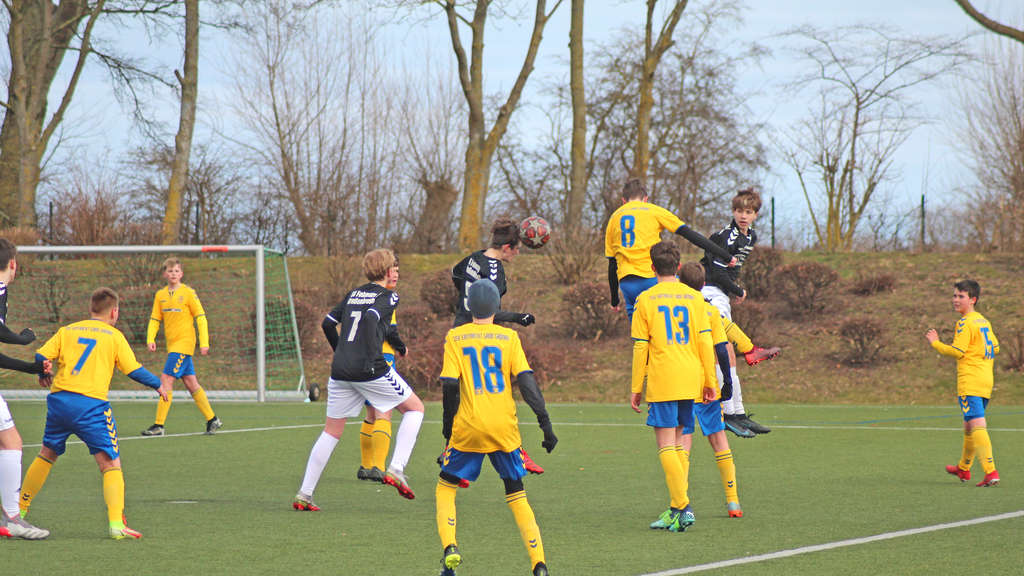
(534, 232)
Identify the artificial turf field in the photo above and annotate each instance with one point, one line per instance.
(825, 477)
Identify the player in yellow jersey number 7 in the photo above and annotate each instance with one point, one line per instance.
(87, 353)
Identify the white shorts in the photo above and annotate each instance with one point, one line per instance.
(718, 299)
(345, 399)
(6, 420)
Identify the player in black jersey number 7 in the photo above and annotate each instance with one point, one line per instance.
(359, 372)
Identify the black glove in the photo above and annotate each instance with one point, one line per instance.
(526, 319)
(549, 438)
(27, 336)
(440, 457)
(726, 390)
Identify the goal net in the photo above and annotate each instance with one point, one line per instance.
(245, 292)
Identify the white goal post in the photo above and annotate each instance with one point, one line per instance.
(136, 271)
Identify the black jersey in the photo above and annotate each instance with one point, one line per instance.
(365, 317)
(3, 303)
(739, 245)
(470, 269)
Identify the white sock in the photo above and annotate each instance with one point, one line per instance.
(10, 480)
(408, 430)
(318, 458)
(736, 404)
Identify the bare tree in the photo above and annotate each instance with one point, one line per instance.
(843, 151)
(483, 141)
(432, 111)
(189, 82)
(654, 49)
(990, 125)
(997, 27)
(39, 35)
(319, 117)
(578, 175)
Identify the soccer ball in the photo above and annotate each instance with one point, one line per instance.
(534, 232)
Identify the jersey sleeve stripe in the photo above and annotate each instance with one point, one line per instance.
(640, 340)
(375, 313)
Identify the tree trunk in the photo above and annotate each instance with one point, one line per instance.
(578, 155)
(38, 37)
(186, 125)
(653, 51)
(432, 225)
(483, 143)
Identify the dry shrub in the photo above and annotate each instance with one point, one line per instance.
(423, 333)
(1013, 343)
(545, 359)
(757, 271)
(868, 284)
(345, 272)
(141, 270)
(588, 312)
(574, 253)
(749, 316)
(863, 339)
(439, 294)
(311, 306)
(805, 286)
(22, 236)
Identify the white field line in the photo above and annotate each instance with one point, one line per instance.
(837, 544)
(558, 424)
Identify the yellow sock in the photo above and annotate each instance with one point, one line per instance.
(527, 523)
(675, 476)
(727, 471)
(366, 444)
(967, 455)
(202, 403)
(33, 482)
(735, 335)
(381, 442)
(983, 449)
(444, 496)
(113, 495)
(163, 407)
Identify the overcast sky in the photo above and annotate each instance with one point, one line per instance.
(926, 157)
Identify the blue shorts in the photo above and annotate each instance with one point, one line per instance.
(709, 416)
(973, 407)
(179, 365)
(466, 465)
(631, 287)
(90, 419)
(671, 414)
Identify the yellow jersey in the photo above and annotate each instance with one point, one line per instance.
(178, 310)
(87, 353)
(484, 358)
(631, 231)
(672, 343)
(975, 347)
(387, 348)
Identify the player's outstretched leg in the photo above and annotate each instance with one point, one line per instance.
(529, 464)
(757, 354)
(408, 430)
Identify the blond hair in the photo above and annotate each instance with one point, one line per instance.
(169, 263)
(102, 300)
(377, 262)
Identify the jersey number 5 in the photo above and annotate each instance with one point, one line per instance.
(491, 377)
(990, 349)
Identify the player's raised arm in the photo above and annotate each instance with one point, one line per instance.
(7, 336)
(701, 241)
